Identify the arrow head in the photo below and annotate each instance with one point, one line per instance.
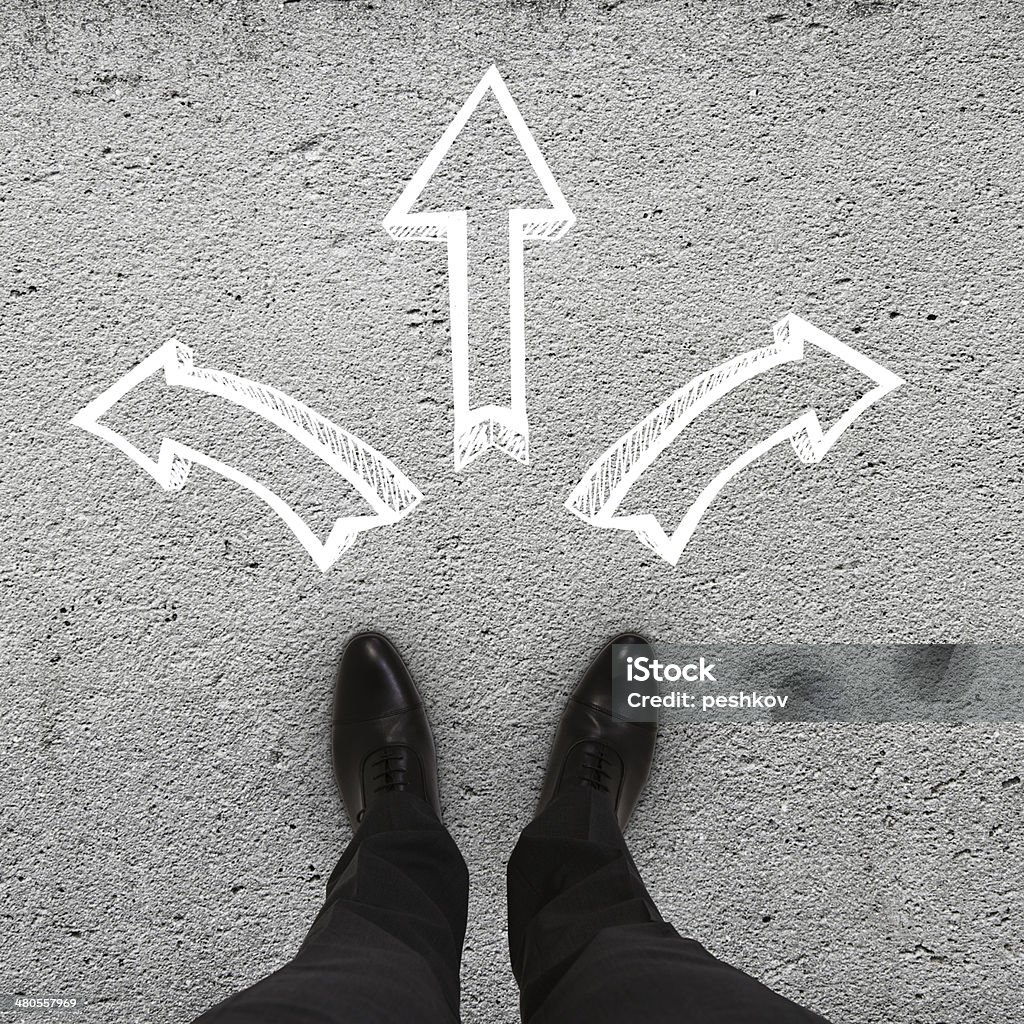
(538, 223)
(810, 442)
(170, 468)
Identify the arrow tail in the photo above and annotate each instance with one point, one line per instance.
(491, 427)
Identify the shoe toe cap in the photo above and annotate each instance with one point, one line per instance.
(596, 686)
(372, 680)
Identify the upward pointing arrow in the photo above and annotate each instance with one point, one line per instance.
(490, 426)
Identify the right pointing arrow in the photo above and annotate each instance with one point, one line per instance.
(490, 426)
(599, 494)
(389, 493)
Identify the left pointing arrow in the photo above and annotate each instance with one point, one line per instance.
(385, 488)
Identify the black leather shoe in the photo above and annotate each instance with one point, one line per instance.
(595, 745)
(381, 739)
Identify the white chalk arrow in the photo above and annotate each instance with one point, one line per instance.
(388, 492)
(490, 426)
(598, 495)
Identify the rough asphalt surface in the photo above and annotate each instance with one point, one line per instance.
(218, 175)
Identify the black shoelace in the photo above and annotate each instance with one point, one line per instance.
(393, 766)
(393, 777)
(593, 772)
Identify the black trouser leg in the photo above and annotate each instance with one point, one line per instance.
(588, 945)
(385, 948)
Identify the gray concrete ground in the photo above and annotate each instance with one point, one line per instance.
(218, 173)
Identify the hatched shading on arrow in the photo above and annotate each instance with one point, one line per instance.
(379, 482)
(505, 428)
(597, 497)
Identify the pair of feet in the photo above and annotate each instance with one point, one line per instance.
(382, 741)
